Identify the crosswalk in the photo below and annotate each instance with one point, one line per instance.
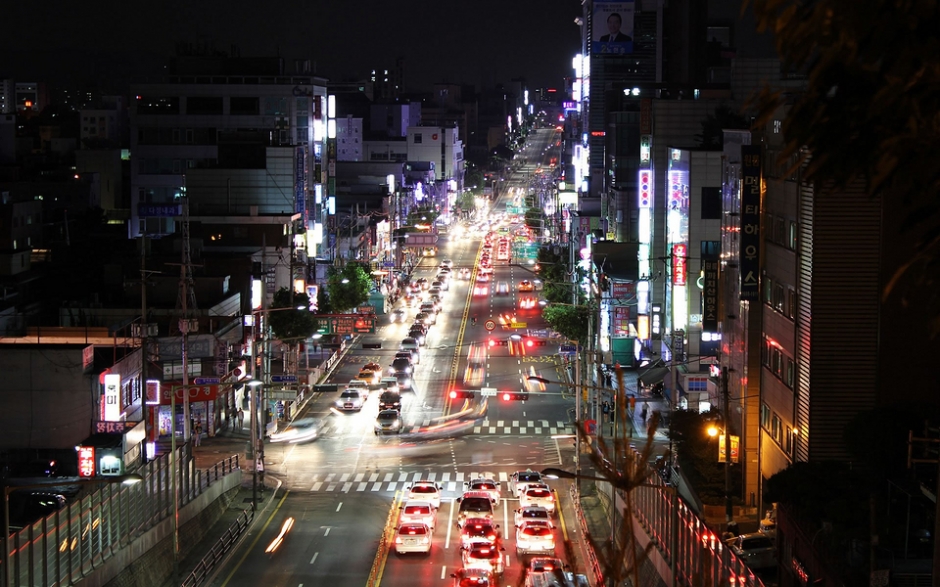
(450, 482)
(504, 427)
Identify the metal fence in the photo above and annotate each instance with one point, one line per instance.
(701, 558)
(219, 550)
(67, 545)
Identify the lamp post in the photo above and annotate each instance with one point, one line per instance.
(10, 489)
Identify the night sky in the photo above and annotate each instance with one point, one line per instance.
(480, 42)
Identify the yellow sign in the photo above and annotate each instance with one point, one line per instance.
(735, 441)
(517, 324)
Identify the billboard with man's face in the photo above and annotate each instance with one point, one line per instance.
(612, 27)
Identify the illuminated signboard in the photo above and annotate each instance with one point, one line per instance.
(749, 251)
(86, 461)
(112, 397)
(676, 200)
(680, 259)
(153, 392)
(646, 188)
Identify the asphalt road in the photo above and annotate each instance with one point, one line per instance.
(342, 489)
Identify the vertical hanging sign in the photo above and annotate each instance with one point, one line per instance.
(749, 261)
(112, 397)
(300, 184)
(710, 290)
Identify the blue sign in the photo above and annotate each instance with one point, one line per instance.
(159, 210)
(388, 264)
(206, 381)
(284, 379)
(567, 349)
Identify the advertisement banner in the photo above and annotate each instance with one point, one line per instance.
(300, 183)
(680, 258)
(112, 397)
(612, 27)
(621, 326)
(735, 441)
(86, 461)
(197, 393)
(749, 256)
(710, 291)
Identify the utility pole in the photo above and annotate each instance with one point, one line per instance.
(729, 517)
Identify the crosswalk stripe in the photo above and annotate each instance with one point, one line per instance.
(402, 477)
(388, 477)
(553, 430)
(358, 477)
(431, 476)
(317, 486)
(445, 477)
(417, 477)
(477, 429)
(503, 477)
(515, 423)
(507, 430)
(492, 429)
(331, 487)
(362, 486)
(530, 424)
(344, 477)
(459, 476)
(499, 423)
(522, 430)
(392, 486)
(373, 477)
(346, 487)
(451, 486)
(376, 486)
(538, 430)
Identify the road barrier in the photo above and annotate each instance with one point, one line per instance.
(381, 555)
(219, 550)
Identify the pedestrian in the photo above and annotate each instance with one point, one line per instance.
(241, 418)
(197, 433)
(643, 413)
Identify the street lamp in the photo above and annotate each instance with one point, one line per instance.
(714, 431)
(8, 490)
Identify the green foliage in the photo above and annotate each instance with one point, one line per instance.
(474, 179)
(290, 326)
(324, 304)
(569, 321)
(869, 109)
(534, 218)
(422, 216)
(353, 293)
(554, 272)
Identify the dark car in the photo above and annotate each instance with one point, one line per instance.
(417, 333)
(389, 400)
(411, 355)
(404, 381)
(402, 366)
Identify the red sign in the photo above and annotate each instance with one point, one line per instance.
(197, 393)
(621, 325)
(680, 261)
(622, 290)
(86, 461)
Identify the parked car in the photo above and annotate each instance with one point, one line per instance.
(756, 550)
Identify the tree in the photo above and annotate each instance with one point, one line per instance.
(534, 218)
(348, 287)
(569, 321)
(474, 179)
(869, 110)
(291, 326)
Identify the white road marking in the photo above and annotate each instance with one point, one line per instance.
(314, 559)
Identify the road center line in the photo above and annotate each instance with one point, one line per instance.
(339, 506)
(314, 559)
(443, 571)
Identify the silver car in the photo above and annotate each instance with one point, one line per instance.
(535, 538)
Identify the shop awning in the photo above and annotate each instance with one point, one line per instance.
(652, 376)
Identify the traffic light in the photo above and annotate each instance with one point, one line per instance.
(460, 394)
(496, 342)
(532, 342)
(511, 396)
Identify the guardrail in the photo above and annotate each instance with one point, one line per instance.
(219, 550)
(384, 540)
(593, 564)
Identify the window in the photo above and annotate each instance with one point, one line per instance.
(417, 138)
(765, 416)
(792, 236)
(780, 225)
(768, 289)
(790, 379)
(189, 136)
(776, 428)
(204, 105)
(791, 303)
(779, 298)
(789, 439)
(243, 105)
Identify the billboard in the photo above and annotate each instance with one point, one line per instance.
(749, 260)
(612, 27)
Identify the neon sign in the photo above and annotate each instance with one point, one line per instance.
(679, 263)
(646, 188)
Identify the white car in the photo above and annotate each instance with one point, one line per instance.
(502, 288)
(418, 512)
(535, 538)
(359, 385)
(539, 495)
(302, 430)
(425, 491)
(350, 400)
(463, 274)
(484, 485)
(532, 513)
(447, 263)
(413, 538)
(522, 479)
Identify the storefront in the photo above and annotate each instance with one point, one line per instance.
(202, 409)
